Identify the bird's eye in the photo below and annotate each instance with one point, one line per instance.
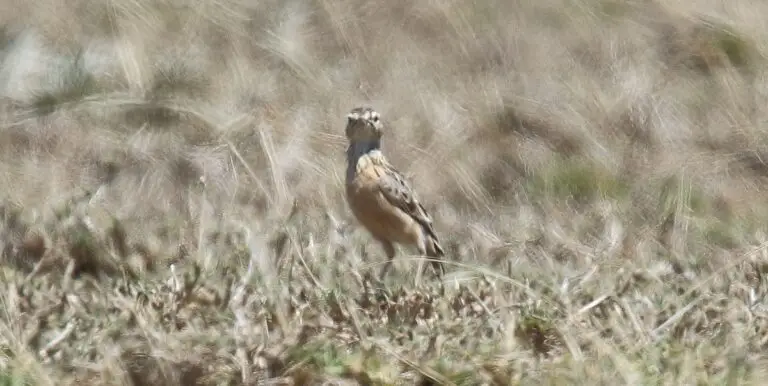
(375, 118)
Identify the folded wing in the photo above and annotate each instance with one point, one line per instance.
(399, 193)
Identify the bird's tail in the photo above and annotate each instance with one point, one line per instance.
(435, 251)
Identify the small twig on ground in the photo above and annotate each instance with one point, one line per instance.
(55, 342)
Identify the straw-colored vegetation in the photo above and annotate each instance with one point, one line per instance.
(173, 210)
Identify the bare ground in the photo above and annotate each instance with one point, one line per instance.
(172, 176)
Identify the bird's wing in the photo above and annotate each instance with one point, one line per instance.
(399, 193)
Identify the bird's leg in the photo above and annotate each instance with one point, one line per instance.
(389, 249)
(420, 270)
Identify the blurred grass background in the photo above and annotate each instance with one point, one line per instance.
(172, 192)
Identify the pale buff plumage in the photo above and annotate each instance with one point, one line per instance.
(380, 197)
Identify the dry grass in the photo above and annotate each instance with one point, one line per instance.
(172, 204)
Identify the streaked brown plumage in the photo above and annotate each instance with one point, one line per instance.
(380, 197)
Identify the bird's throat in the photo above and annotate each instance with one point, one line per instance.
(359, 152)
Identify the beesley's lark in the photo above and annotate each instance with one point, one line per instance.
(380, 197)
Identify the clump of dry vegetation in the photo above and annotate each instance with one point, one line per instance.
(172, 207)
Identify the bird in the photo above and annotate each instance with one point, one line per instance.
(380, 197)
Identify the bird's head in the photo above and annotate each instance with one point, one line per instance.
(364, 124)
